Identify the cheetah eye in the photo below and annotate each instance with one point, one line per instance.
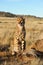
(21, 24)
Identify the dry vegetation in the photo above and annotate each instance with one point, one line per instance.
(34, 32)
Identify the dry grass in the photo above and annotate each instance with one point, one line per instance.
(34, 31)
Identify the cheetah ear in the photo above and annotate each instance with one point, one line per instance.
(24, 21)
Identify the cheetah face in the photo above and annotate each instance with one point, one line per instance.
(21, 24)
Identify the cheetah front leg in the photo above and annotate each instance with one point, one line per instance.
(23, 45)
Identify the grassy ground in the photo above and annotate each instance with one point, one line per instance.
(34, 31)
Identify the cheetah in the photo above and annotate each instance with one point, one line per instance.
(18, 44)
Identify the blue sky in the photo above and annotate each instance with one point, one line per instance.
(28, 7)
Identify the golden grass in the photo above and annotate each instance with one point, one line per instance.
(34, 31)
